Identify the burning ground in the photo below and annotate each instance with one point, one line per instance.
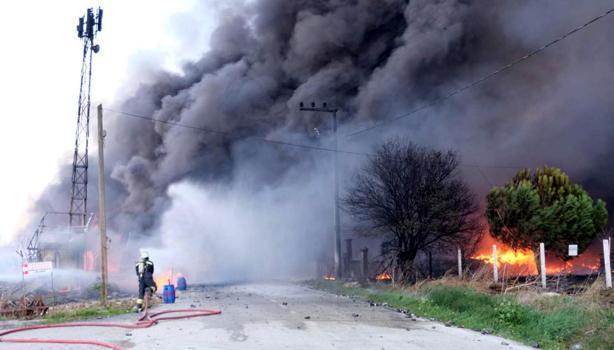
(218, 202)
(523, 261)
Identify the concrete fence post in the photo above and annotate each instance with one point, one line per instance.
(606, 263)
(348, 258)
(542, 264)
(365, 264)
(460, 263)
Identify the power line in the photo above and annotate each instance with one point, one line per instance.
(469, 165)
(484, 78)
(314, 147)
(484, 176)
(279, 142)
(225, 133)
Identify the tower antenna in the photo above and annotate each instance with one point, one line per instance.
(87, 28)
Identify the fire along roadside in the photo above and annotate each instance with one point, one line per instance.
(495, 260)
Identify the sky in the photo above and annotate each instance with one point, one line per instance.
(40, 67)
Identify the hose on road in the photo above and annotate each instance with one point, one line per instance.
(146, 321)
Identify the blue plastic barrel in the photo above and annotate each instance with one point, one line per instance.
(181, 283)
(168, 294)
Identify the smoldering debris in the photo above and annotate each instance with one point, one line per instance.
(27, 307)
(64, 286)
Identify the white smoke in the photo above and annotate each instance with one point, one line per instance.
(214, 233)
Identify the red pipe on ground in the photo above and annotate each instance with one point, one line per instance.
(144, 322)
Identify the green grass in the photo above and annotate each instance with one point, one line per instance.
(554, 322)
(84, 314)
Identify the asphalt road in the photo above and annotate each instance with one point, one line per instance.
(278, 316)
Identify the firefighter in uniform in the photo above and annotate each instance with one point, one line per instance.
(144, 271)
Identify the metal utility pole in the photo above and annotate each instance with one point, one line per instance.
(87, 28)
(333, 111)
(102, 219)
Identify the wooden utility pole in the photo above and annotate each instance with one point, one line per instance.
(336, 208)
(102, 222)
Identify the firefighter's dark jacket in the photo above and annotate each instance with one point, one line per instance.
(144, 269)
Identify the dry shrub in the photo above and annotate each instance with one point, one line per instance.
(598, 293)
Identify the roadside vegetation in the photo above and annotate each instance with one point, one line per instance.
(540, 320)
(84, 313)
(91, 310)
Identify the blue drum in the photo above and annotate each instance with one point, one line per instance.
(181, 283)
(168, 294)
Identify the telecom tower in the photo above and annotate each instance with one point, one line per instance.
(88, 27)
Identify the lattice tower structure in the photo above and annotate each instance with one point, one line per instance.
(87, 28)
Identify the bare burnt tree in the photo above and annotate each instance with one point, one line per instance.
(414, 199)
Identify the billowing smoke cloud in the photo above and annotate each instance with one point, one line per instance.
(237, 233)
(227, 196)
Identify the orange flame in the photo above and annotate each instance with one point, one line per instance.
(113, 264)
(384, 276)
(329, 277)
(167, 277)
(506, 255)
(89, 261)
(522, 261)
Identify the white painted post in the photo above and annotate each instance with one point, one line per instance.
(606, 263)
(542, 263)
(494, 263)
(460, 264)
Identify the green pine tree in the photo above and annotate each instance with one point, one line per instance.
(544, 206)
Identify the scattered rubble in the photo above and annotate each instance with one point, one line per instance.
(28, 307)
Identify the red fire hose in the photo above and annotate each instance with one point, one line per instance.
(144, 322)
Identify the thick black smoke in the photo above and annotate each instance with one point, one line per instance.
(374, 59)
